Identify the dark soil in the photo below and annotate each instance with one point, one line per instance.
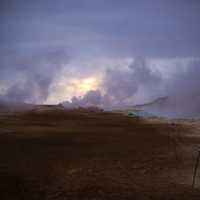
(82, 155)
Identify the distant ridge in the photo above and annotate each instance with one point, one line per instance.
(159, 102)
(13, 106)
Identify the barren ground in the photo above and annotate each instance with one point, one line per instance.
(86, 155)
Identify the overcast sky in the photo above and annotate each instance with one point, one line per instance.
(154, 27)
(58, 41)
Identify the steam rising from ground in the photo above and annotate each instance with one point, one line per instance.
(120, 88)
(183, 90)
(32, 77)
(139, 82)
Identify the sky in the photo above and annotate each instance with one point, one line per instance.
(52, 51)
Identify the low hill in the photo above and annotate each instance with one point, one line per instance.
(12, 106)
(157, 103)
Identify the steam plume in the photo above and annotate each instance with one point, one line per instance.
(34, 76)
(122, 87)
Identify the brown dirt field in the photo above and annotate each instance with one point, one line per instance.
(82, 155)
